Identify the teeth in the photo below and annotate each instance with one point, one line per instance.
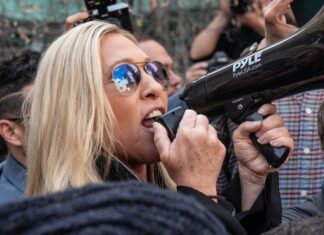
(155, 113)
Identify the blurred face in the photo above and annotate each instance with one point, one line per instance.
(134, 112)
(157, 52)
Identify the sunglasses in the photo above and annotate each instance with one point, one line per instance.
(127, 77)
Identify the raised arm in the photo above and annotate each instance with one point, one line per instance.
(206, 41)
(279, 21)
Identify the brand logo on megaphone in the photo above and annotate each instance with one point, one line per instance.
(247, 64)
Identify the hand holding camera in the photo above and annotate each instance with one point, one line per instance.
(107, 10)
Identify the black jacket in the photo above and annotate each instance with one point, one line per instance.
(264, 214)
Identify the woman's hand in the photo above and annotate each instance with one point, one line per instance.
(253, 168)
(195, 156)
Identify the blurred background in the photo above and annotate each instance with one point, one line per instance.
(35, 23)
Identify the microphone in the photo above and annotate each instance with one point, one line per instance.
(292, 65)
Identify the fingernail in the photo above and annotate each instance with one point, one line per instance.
(256, 122)
(275, 143)
(262, 110)
(258, 134)
(261, 140)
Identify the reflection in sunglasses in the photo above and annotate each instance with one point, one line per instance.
(127, 77)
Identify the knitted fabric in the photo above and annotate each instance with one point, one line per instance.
(111, 208)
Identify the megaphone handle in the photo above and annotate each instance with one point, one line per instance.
(275, 156)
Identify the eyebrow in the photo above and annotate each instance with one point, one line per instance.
(124, 61)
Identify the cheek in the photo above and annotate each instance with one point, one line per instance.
(125, 111)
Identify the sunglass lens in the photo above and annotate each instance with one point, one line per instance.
(158, 72)
(126, 78)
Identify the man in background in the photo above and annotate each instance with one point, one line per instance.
(17, 75)
(157, 52)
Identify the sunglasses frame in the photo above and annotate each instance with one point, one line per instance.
(156, 63)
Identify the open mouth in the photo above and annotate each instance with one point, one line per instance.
(150, 118)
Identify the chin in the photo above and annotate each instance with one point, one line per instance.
(151, 155)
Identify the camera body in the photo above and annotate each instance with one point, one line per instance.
(240, 7)
(219, 59)
(109, 10)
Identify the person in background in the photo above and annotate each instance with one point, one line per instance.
(157, 52)
(222, 35)
(301, 176)
(312, 206)
(17, 75)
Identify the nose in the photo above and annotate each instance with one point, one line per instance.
(150, 88)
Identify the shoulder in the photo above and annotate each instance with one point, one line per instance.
(8, 192)
(2, 165)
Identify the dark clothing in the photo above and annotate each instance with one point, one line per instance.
(264, 214)
(312, 207)
(120, 208)
(12, 180)
(233, 41)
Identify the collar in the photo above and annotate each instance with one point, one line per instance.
(120, 172)
(15, 173)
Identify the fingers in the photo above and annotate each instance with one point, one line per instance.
(161, 140)
(73, 19)
(273, 134)
(272, 121)
(188, 119)
(269, 123)
(277, 137)
(196, 71)
(199, 65)
(275, 10)
(193, 125)
(202, 124)
(245, 129)
(284, 141)
(267, 109)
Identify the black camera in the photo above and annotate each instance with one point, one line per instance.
(240, 7)
(219, 59)
(109, 10)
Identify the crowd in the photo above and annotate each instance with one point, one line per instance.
(84, 153)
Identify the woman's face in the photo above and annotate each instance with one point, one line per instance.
(133, 112)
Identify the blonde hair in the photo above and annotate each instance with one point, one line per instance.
(71, 121)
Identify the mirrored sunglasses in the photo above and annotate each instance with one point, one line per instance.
(127, 77)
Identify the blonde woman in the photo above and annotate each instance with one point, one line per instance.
(92, 120)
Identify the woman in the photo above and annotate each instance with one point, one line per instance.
(92, 119)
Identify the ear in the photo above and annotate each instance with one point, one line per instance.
(11, 132)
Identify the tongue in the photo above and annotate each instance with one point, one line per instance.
(148, 123)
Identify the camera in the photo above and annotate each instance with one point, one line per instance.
(109, 10)
(240, 7)
(219, 59)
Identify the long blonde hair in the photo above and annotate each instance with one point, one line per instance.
(71, 121)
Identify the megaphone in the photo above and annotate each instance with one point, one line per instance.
(293, 65)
